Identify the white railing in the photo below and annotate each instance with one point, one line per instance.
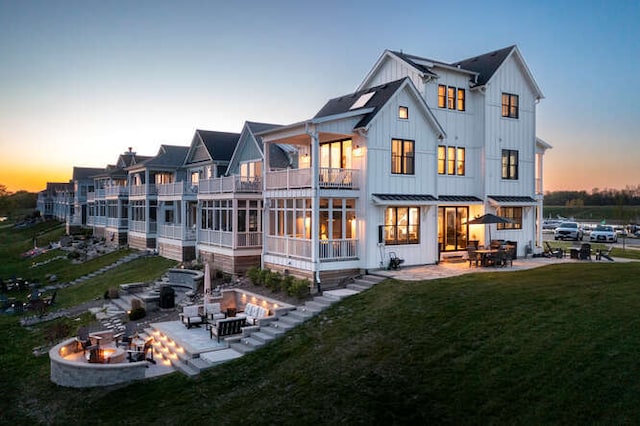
(229, 184)
(145, 189)
(290, 247)
(176, 189)
(116, 222)
(99, 221)
(249, 239)
(329, 250)
(176, 232)
(116, 191)
(91, 196)
(141, 226)
(215, 238)
(328, 178)
(98, 194)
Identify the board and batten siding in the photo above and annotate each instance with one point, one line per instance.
(392, 70)
(509, 133)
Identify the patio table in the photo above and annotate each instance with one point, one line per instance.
(485, 254)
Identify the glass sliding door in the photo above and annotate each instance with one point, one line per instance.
(453, 228)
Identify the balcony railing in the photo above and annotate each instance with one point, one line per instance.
(141, 226)
(328, 178)
(176, 189)
(176, 232)
(116, 191)
(328, 250)
(91, 196)
(229, 184)
(115, 222)
(227, 239)
(142, 190)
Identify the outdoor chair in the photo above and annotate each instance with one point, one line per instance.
(585, 252)
(190, 316)
(552, 252)
(82, 339)
(606, 254)
(473, 256)
(213, 312)
(124, 338)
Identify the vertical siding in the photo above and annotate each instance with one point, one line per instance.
(392, 70)
(247, 151)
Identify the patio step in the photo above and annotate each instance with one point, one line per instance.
(184, 368)
(300, 315)
(246, 345)
(288, 320)
(262, 336)
(325, 300)
(273, 330)
(310, 307)
(199, 364)
(358, 287)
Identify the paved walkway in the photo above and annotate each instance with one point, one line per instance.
(445, 269)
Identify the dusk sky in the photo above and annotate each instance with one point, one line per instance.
(81, 81)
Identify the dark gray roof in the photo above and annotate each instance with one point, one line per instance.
(85, 173)
(219, 144)
(261, 127)
(459, 198)
(343, 103)
(512, 199)
(405, 197)
(485, 65)
(168, 156)
(278, 158)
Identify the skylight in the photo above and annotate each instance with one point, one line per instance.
(362, 100)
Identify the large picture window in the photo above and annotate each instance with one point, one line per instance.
(513, 213)
(402, 157)
(510, 107)
(402, 225)
(509, 164)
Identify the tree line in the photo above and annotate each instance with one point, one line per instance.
(629, 196)
(13, 202)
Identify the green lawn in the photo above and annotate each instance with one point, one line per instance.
(557, 344)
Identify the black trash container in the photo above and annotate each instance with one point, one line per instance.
(167, 297)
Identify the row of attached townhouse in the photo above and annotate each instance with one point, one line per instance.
(400, 165)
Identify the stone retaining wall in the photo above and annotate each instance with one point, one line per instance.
(76, 374)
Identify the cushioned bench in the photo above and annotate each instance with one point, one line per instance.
(253, 313)
(227, 327)
(190, 316)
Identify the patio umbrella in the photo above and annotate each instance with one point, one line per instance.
(207, 282)
(488, 219)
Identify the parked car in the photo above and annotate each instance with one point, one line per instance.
(604, 233)
(568, 230)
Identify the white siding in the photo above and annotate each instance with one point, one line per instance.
(392, 70)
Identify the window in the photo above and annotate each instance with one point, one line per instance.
(217, 215)
(451, 97)
(509, 164)
(513, 213)
(442, 89)
(402, 157)
(402, 225)
(403, 112)
(442, 158)
(250, 171)
(451, 160)
(460, 99)
(509, 105)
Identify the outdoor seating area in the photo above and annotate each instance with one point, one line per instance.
(498, 254)
(253, 313)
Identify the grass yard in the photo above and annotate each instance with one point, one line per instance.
(557, 344)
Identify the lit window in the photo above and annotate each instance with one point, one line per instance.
(442, 158)
(509, 164)
(402, 157)
(442, 96)
(403, 112)
(451, 97)
(451, 160)
(513, 213)
(460, 99)
(460, 162)
(510, 105)
(402, 225)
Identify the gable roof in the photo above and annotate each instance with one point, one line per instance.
(381, 95)
(277, 155)
(219, 144)
(85, 173)
(486, 64)
(168, 156)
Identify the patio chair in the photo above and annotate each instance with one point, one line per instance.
(585, 252)
(190, 316)
(82, 339)
(606, 254)
(552, 252)
(124, 338)
(213, 312)
(473, 256)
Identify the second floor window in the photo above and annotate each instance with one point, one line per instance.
(442, 96)
(509, 164)
(451, 97)
(402, 157)
(451, 160)
(510, 105)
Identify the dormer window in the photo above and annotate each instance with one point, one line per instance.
(403, 112)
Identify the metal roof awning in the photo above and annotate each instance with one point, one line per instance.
(459, 199)
(405, 199)
(512, 200)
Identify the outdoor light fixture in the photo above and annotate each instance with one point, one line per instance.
(357, 151)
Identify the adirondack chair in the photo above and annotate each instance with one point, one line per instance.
(606, 254)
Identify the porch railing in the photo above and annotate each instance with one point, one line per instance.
(176, 232)
(141, 190)
(230, 184)
(290, 247)
(328, 178)
(116, 191)
(227, 238)
(141, 226)
(177, 189)
(328, 250)
(115, 222)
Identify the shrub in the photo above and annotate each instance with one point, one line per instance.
(287, 282)
(264, 273)
(299, 288)
(273, 281)
(113, 293)
(254, 275)
(137, 314)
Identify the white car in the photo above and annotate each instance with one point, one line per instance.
(604, 233)
(569, 231)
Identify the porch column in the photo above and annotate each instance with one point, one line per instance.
(315, 200)
(197, 227)
(234, 223)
